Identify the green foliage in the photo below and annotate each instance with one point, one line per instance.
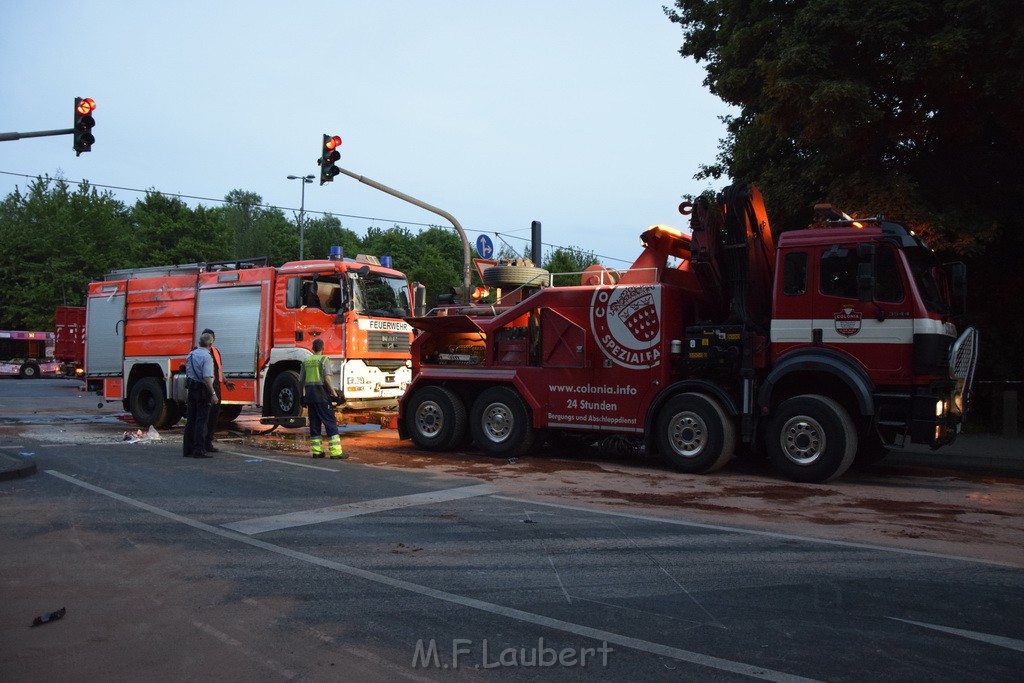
(53, 242)
(906, 107)
(568, 260)
(168, 231)
(325, 232)
(258, 230)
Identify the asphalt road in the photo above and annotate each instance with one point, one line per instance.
(262, 566)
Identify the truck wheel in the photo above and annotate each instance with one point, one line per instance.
(812, 439)
(149, 406)
(501, 425)
(437, 419)
(694, 434)
(29, 371)
(284, 395)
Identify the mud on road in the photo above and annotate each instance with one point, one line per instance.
(917, 508)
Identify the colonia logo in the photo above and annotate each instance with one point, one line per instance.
(627, 324)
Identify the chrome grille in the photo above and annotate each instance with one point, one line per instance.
(388, 342)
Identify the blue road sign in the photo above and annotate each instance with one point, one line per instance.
(484, 246)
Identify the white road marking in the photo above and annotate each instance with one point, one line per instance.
(280, 461)
(1001, 641)
(488, 607)
(260, 525)
(766, 534)
(11, 447)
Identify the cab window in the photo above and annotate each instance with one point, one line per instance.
(794, 274)
(314, 292)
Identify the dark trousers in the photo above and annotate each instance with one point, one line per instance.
(321, 414)
(197, 416)
(211, 422)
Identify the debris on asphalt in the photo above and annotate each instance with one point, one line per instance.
(26, 454)
(52, 616)
(138, 435)
(512, 461)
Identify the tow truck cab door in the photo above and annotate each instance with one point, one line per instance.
(862, 305)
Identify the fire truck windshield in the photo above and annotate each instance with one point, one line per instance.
(931, 280)
(379, 295)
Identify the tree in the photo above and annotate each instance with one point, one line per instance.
(568, 260)
(435, 272)
(907, 107)
(326, 232)
(258, 230)
(53, 242)
(167, 231)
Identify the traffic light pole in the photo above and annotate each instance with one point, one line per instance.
(433, 209)
(36, 134)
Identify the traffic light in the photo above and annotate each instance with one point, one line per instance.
(84, 122)
(328, 155)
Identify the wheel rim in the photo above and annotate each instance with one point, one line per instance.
(429, 419)
(803, 440)
(687, 434)
(497, 422)
(286, 400)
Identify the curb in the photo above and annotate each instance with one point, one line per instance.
(12, 467)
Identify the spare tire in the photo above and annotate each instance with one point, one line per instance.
(508, 275)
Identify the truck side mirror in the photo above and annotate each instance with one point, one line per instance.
(419, 295)
(958, 277)
(865, 281)
(958, 274)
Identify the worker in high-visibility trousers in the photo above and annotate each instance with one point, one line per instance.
(317, 390)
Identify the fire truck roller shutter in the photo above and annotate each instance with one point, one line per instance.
(104, 350)
(233, 313)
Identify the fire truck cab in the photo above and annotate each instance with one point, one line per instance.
(141, 323)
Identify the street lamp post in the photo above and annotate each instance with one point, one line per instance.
(302, 212)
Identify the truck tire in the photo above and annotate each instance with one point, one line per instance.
(811, 439)
(437, 419)
(515, 276)
(285, 397)
(29, 371)
(500, 423)
(228, 413)
(694, 434)
(149, 405)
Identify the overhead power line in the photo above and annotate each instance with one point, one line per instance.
(371, 219)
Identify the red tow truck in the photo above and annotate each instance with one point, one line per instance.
(837, 343)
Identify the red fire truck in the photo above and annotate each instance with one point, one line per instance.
(839, 343)
(141, 323)
(69, 340)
